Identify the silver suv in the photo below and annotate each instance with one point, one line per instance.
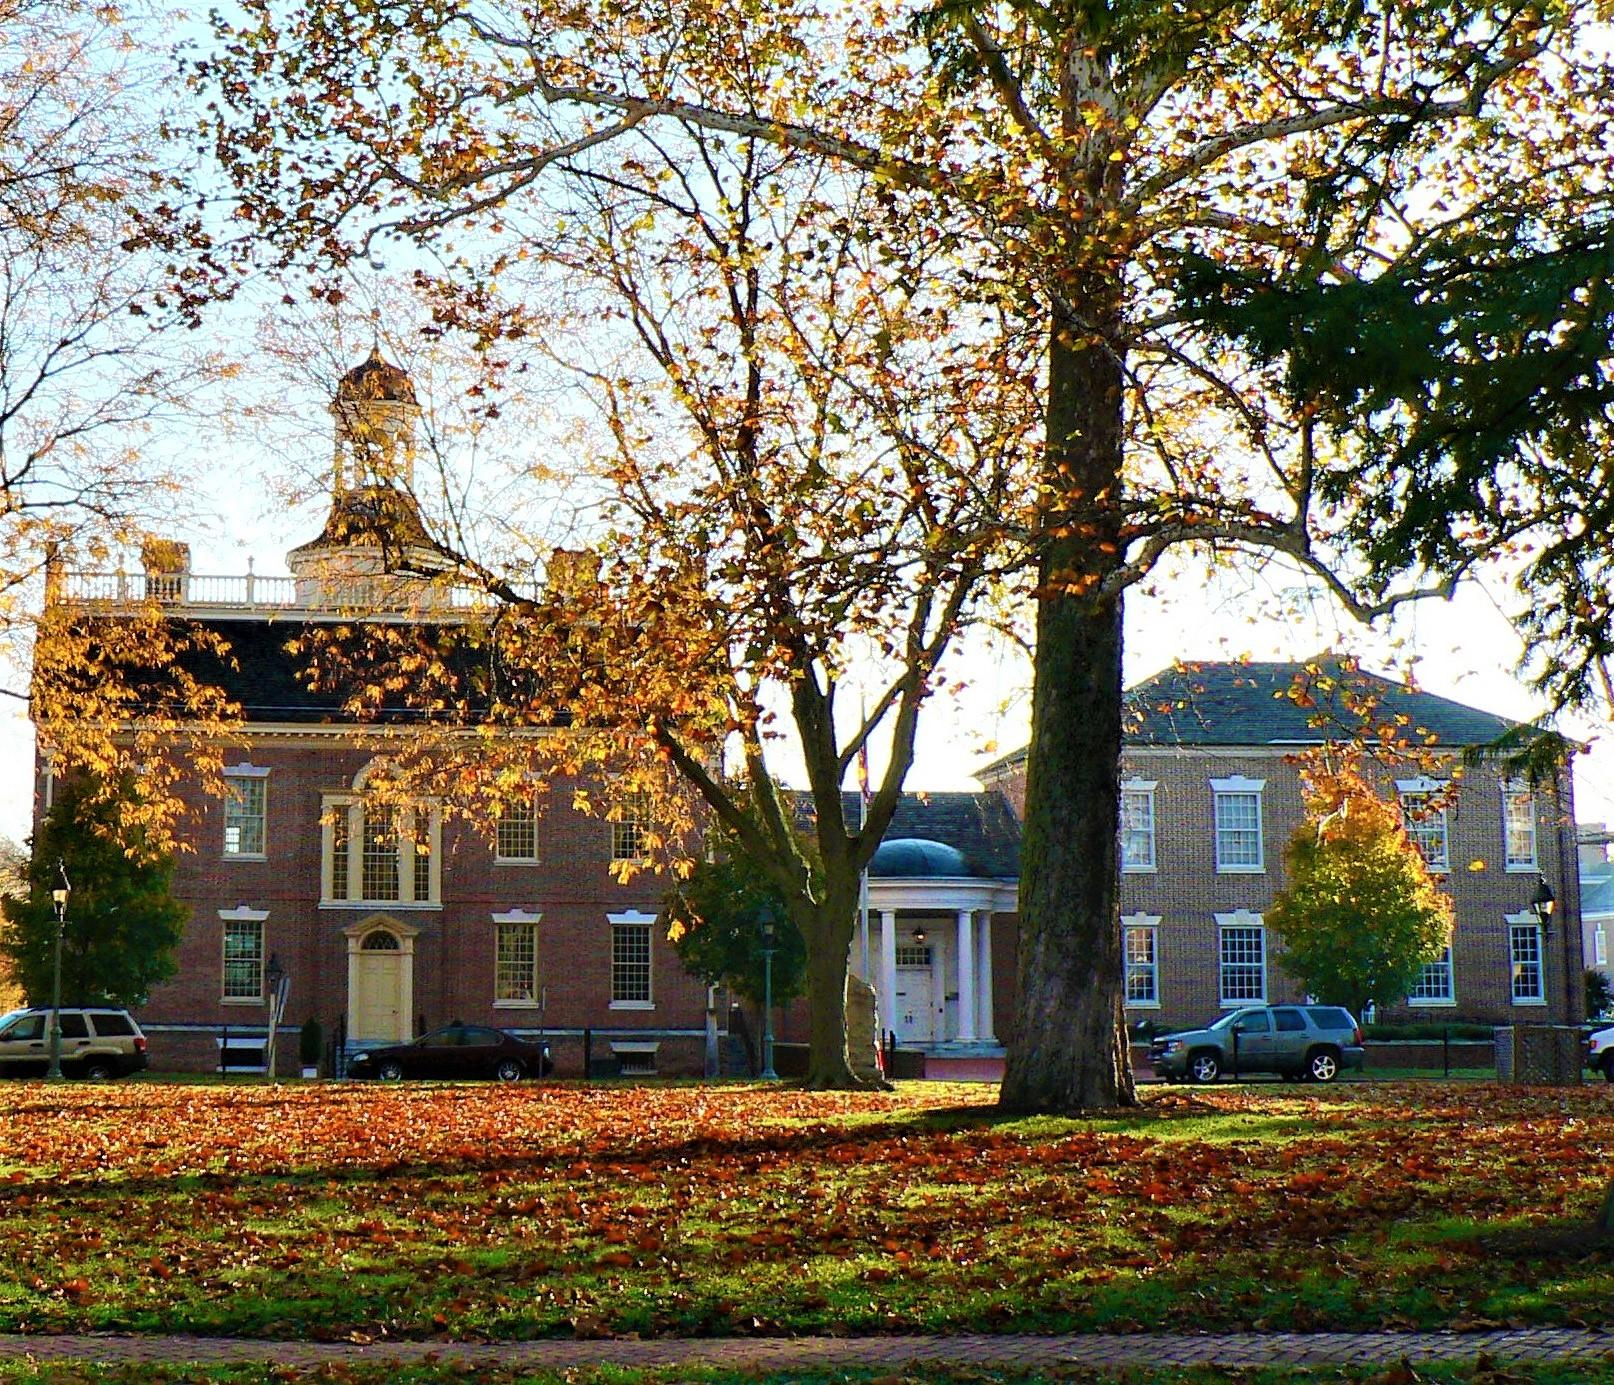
(97, 1042)
(1314, 1041)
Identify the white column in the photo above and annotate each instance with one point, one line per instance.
(888, 969)
(966, 977)
(938, 990)
(983, 978)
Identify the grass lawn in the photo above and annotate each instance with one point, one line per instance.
(472, 1211)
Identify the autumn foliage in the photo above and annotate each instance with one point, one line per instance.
(572, 1210)
(1360, 914)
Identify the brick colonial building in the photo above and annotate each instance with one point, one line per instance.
(389, 920)
(1211, 796)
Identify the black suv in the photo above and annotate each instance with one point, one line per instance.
(1314, 1041)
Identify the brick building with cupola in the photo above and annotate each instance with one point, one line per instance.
(389, 919)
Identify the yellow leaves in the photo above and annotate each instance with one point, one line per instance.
(1477, 865)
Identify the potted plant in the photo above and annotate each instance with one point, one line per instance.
(310, 1045)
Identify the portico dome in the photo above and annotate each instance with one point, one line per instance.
(919, 858)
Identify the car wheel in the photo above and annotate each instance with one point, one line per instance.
(390, 1071)
(1204, 1067)
(1323, 1065)
(99, 1071)
(509, 1070)
(1608, 1067)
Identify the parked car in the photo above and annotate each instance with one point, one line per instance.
(97, 1042)
(1302, 1041)
(457, 1050)
(1600, 1052)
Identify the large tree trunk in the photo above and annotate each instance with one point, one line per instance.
(1069, 1051)
(829, 937)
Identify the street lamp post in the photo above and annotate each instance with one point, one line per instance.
(767, 924)
(276, 977)
(58, 897)
(1542, 904)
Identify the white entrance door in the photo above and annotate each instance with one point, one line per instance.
(915, 1008)
(378, 987)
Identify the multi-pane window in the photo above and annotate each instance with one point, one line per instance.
(1434, 985)
(1243, 963)
(1600, 946)
(630, 964)
(913, 954)
(1524, 944)
(1137, 826)
(245, 798)
(630, 829)
(515, 966)
(518, 831)
(1237, 807)
(1519, 828)
(1142, 967)
(1423, 810)
(379, 853)
(243, 959)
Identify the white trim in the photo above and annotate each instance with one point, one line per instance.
(247, 771)
(1152, 865)
(1422, 784)
(518, 915)
(1140, 784)
(1237, 783)
(1242, 918)
(1512, 788)
(242, 914)
(519, 918)
(635, 1045)
(1222, 789)
(1152, 923)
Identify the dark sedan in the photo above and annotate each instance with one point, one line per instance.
(460, 1050)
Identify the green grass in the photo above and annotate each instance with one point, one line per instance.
(461, 1211)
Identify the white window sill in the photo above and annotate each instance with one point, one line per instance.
(517, 1005)
(633, 1005)
(1521, 868)
(1527, 1004)
(515, 860)
(1241, 870)
(413, 906)
(1448, 1004)
(256, 1000)
(1143, 1005)
(244, 855)
(1242, 1004)
(1140, 870)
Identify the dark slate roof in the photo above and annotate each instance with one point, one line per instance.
(1228, 704)
(1597, 890)
(981, 826)
(1294, 704)
(271, 683)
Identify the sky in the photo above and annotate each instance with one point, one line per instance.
(1463, 649)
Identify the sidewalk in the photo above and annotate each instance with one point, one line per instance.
(1244, 1349)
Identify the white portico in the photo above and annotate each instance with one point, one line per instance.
(928, 940)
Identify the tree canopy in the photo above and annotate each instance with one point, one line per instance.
(1118, 184)
(122, 924)
(1360, 915)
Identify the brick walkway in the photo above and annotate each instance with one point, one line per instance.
(796, 1353)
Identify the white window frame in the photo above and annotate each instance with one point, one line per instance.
(1241, 920)
(1223, 791)
(1436, 998)
(630, 823)
(349, 807)
(1513, 796)
(1600, 946)
(247, 774)
(637, 1057)
(517, 920)
(633, 918)
(1413, 794)
(242, 915)
(1143, 834)
(1147, 925)
(530, 803)
(1524, 926)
